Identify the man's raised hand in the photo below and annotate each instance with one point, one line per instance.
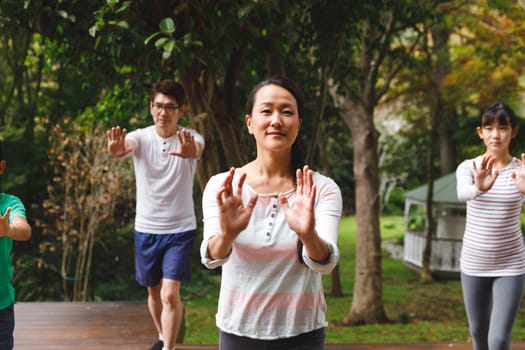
(117, 142)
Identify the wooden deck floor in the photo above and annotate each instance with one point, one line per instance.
(128, 326)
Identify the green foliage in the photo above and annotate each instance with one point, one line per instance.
(32, 278)
(115, 249)
(396, 203)
(124, 103)
(417, 218)
(168, 43)
(340, 165)
(119, 290)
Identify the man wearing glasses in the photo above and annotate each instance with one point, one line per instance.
(164, 157)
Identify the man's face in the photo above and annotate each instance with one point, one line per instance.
(166, 113)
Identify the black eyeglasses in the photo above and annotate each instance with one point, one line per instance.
(169, 108)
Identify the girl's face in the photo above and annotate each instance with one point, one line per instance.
(496, 136)
(275, 121)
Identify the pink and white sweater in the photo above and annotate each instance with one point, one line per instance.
(266, 293)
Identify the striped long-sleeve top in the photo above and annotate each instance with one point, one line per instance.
(493, 241)
(266, 292)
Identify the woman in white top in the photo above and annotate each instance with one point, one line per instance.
(272, 225)
(493, 254)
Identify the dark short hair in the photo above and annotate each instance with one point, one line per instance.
(500, 112)
(1, 150)
(298, 148)
(169, 88)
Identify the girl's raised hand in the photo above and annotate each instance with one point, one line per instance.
(519, 175)
(485, 176)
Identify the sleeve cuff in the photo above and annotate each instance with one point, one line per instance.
(325, 267)
(207, 261)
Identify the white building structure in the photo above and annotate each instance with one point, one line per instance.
(449, 225)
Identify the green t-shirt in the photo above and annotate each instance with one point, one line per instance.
(7, 292)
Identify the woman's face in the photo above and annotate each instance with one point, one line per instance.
(275, 120)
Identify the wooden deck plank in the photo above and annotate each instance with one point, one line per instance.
(109, 325)
(128, 326)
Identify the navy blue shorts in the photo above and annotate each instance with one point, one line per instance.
(163, 256)
(7, 326)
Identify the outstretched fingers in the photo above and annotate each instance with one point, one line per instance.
(187, 145)
(519, 175)
(305, 183)
(185, 137)
(6, 214)
(300, 215)
(225, 190)
(116, 134)
(4, 223)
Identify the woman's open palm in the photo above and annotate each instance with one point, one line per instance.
(300, 217)
(233, 215)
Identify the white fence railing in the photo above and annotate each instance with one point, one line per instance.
(444, 257)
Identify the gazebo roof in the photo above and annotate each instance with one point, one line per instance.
(444, 191)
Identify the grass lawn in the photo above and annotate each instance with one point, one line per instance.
(418, 312)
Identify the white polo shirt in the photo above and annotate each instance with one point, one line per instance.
(164, 183)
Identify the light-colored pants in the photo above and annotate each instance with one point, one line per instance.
(491, 304)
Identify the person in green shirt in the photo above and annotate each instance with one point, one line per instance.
(13, 226)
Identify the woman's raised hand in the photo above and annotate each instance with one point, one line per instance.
(300, 216)
(233, 215)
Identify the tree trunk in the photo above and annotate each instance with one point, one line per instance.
(199, 100)
(425, 274)
(210, 113)
(367, 304)
(336, 289)
(447, 119)
(447, 144)
(441, 115)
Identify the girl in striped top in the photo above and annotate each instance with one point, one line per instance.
(272, 225)
(493, 253)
